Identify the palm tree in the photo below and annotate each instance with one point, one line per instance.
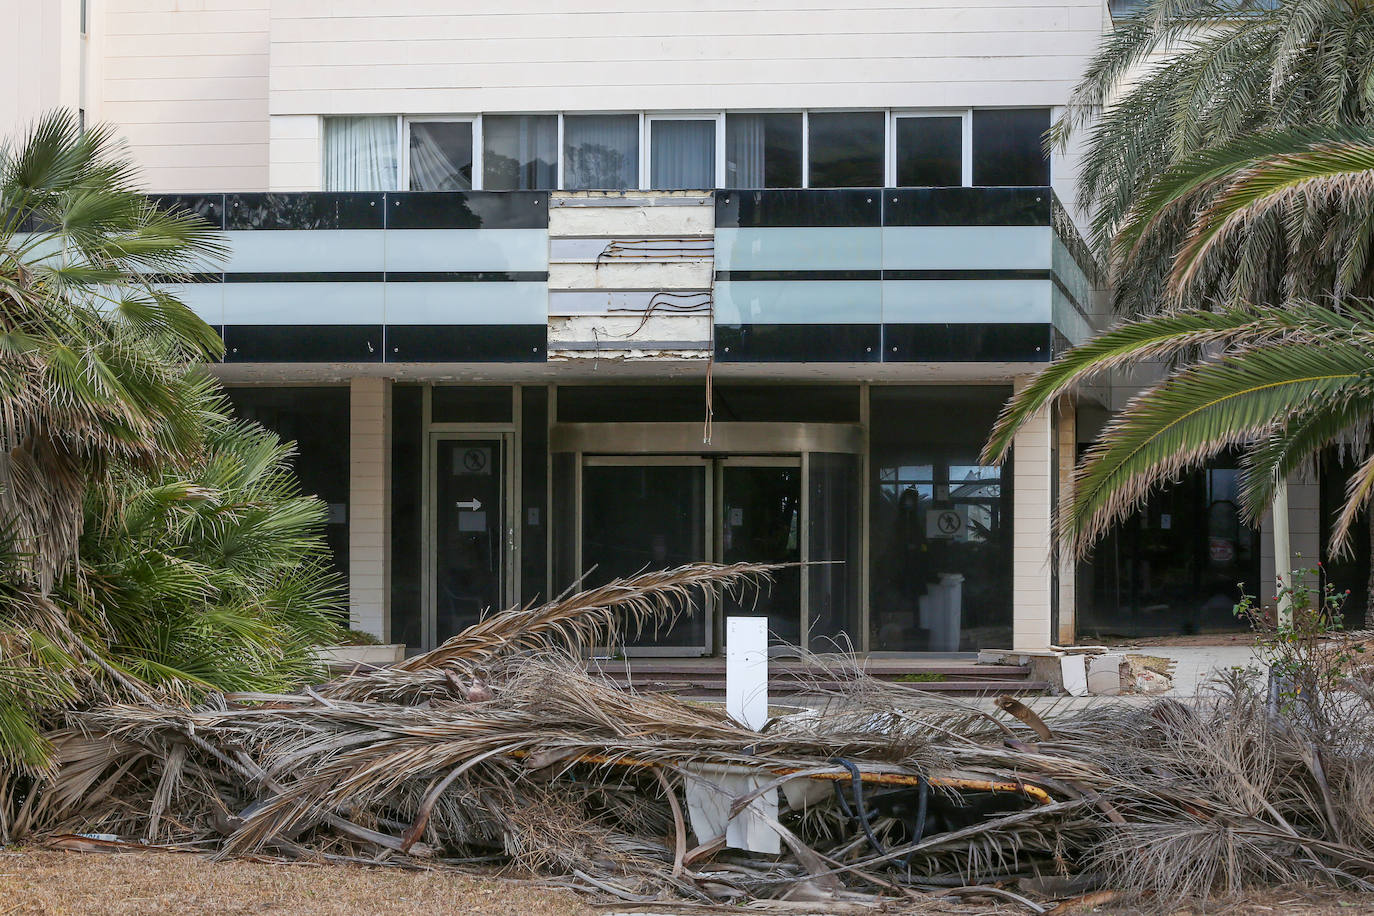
(1281, 382)
(93, 354)
(1182, 77)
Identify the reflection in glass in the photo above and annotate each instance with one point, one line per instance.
(845, 149)
(519, 152)
(761, 523)
(600, 152)
(833, 582)
(930, 152)
(469, 496)
(441, 155)
(1008, 147)
(763, 150)
(940, 524)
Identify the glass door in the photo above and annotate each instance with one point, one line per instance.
(647, 513)
(469, 539)
(760, 519)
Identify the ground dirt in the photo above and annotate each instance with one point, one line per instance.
(59, 883)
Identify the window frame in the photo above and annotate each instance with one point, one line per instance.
(646, 136)
(965, 142)
(403, 173)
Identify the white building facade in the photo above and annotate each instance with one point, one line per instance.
(552, 291)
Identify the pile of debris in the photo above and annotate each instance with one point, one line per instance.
(499, 749)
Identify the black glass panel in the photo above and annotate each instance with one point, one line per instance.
(845, 149)
(966, 342)
(940, 531)
(1008, 146)
(468, 210)
(833, 533)
(306, 210)
(519, 152)
(209, 207)
(534, 494)
(472, 343)
(1172, 568)
(1348, 570)
(835, 343)
(930, 152)
(469, 493)
(440, 155)
(407, 491)
(311, 418)
(967, 207)
(687, 403)
(763, 209)
(299, 343)
(470, 404)
(761, 523)
(763, 150)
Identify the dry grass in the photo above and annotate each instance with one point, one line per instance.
(36, 881)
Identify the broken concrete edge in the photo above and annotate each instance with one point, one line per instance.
(1104, 673)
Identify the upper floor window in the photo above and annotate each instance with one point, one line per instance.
(845, 149)
(1009, 146)
(929, 150)
(360, 154)
(520, 152)
(763, 150)
(682, 153)
(440, 155)
(600, 152)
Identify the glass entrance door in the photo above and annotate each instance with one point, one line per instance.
(469, 532)
(647, 513)
(760, 521)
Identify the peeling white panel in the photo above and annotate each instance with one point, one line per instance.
(630, 222)
(636, 301)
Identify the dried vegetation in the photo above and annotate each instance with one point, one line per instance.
(500, 749)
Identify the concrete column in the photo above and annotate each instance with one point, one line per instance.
(1304, 534)
(1066, 430)
(369, 506)
(1031, 534)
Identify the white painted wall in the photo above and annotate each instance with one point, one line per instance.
(186, 83)
(40, 59)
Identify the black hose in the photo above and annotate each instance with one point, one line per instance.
(861, 814)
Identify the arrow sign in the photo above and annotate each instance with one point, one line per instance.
(473, 504)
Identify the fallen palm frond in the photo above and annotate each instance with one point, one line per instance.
(886, 791)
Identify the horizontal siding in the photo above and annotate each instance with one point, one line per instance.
(422, 56)
(186, 81)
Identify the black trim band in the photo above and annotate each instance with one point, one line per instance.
(466, 343)
(775, 275)
(799, 343)
(467, 276)
(896, 343)
(308, 276)
(294, 343)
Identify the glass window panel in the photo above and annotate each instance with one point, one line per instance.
(519, 152)
(1008, 147)
(441, 156)
(360, 154)
(407, 495)
(470, 404)
(763, 150)
(682, 154)
(930, 152)
(846, 149)
(600, 152)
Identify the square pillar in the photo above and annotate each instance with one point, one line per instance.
(1304, 534)
(369, 506)
(1066, 432)
(1032, 537)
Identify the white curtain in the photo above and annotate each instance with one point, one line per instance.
(682, 155)
(744, 151)
(440, 156)
(600, 152)
(360, 154)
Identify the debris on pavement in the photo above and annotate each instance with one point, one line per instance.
(501, 749)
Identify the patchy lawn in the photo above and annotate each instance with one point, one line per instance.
(52, 883)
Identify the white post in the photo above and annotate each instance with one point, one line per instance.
(1283, 555)
(746, 670)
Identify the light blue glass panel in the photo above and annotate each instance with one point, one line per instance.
(305, 250)
(303, 303)
(799, 302)
(467, 249)
(1072, 276)
(467, 303)
(966, 301)
(802, 248)
(205, 299)
(1069, 320)
(966, 247)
